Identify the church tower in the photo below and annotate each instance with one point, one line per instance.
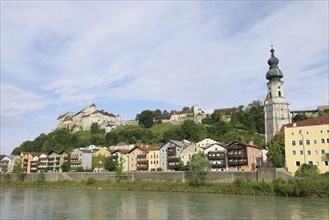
(276, 108)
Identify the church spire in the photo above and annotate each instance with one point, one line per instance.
(274, 73)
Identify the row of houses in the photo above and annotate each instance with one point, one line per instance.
(170, 157)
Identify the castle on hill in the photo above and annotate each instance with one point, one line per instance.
(85, 118)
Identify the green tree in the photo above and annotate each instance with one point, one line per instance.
(65, 167)
(276, 148)
(307, 170)
(299, 117)
(186, 108)
(119, 169)
(231, 136)
(199, 168)
(18, 170)
(110, 164)
(146, 118)
(4, 166)
(193, 131)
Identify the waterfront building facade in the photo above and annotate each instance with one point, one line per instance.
(307, 141)
(216, 154)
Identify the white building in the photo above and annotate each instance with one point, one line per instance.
(188, 152)
(206, 143)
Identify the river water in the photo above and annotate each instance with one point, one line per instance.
(30, 203)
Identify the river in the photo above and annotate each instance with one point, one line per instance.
(32, 203)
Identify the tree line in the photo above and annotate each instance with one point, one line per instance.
(246, 124)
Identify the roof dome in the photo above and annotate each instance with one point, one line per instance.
(274, 72)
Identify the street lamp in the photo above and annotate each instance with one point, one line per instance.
(300, 132)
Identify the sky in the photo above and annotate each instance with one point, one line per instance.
(129, 56)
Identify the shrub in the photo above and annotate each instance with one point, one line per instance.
(90, 181)
(307, 170)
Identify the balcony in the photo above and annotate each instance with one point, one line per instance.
(65, 158)
(237, 163)
(218, 165)
(74, 157)
(142, 167)
(34, 164)
(171, 153)
(50, 162)
(173, 159)
(236, 155)
(216, 157)
(75, 162)
(50, 158)
(141, 156)
(114, 157)
(173, 167)
(142, 161)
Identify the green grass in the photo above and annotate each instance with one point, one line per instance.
(308, 187)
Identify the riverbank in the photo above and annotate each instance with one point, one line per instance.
(307, 187)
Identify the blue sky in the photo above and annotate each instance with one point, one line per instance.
(131, 56)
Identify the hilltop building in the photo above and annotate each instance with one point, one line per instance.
(276, 108)
(86, 117)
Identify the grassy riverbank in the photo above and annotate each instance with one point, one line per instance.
(307, 187)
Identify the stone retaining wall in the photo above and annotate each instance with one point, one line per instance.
(262, 174)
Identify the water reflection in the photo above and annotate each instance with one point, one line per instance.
(25, 203)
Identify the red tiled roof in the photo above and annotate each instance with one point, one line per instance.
(321, 120)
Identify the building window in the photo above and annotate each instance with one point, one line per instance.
(315, 142)
(317, 164)
(316, 152)
(321, 131)
(301, 152)
(293, 152)
(328, 140)
(308, 152)
(322, 141)
(326, 163)
(322, 151)
(279, 93)
(310, 162)
(307, 142)
(298, 163)
(292, 133)
(300, 142)
(293, 143)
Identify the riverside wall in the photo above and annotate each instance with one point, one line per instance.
(262, 174)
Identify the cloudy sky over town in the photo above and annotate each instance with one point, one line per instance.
(125, 57)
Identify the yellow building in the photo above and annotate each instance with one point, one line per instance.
(307, 142)
(144, 158)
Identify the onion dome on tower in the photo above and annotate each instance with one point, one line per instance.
(274, 73)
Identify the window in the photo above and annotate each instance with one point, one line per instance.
(301, 152)
(316, 152)
(317, 164)
(292, 133)
(328, 140)
(326, 163)
(321, 131)
(310, 162)
(322, 141)
(308, 152)
(315, 142)
(298, 163)
(293, 143)
(300, 142)
(322, 151)
(279, 93)
(293, 152)
(307, 142)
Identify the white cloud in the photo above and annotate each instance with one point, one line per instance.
(182, 53)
